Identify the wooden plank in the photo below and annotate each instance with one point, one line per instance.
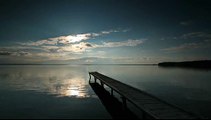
(144, 101)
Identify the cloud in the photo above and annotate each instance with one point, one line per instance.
(84, 45)
(88, 45)
(76, 48)
(66, 48)
(52, 56)
(185, 46)
(80, 47)
(122, 43)
(94, 60)
(186, 23)
(69, 39)
(107, 32)
(21, 53)
(5, 53)
(110, 31)
(9, 53)
(72, 38)
(63, 52)
(40, 42)
(60, 40)
(50, 48)
(97, 53)
(196, 35)
(207, 41)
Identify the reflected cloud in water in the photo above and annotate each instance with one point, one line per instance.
(60, 82)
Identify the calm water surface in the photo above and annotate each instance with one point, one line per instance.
(63, 91)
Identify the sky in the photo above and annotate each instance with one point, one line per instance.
(104, 31)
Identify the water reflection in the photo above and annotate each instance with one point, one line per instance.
(190, 89)
(57, 81)
(48, 92)
(75, 87)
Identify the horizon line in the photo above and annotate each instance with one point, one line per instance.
(70, 64)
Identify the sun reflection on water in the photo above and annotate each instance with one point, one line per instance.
(75, 87)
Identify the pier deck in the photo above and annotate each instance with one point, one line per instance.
(146, 103)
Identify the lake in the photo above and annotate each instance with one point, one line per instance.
(63, 91)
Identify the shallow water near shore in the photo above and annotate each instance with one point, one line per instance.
(63, 91)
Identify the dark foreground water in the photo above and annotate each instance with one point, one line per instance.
(63, 91)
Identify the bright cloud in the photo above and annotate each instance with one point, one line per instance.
(69, 39)
(60, 40)
(86, 46)
(76, 48)
(75, 44)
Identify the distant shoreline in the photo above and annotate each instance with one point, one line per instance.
(189, 64)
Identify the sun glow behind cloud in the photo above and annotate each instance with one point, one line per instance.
(71, 38)
(68, 39)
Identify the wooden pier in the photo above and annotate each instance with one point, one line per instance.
(146, 103)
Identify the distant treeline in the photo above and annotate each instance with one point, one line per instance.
(193, 64)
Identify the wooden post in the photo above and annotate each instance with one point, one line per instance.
(102, 84)
(112, 92)
(95, 79)
(90, 78)
(124, 103)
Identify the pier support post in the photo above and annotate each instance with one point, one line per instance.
(102, 84)
(95, 79)
(112, 92)
(124, 102)
(90, 77)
